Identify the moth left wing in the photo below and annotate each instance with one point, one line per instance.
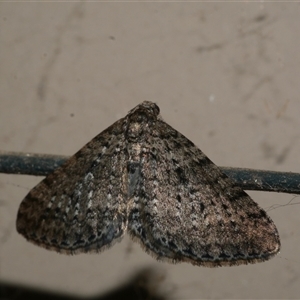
(81, 206)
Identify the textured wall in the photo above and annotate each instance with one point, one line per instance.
(224, 74)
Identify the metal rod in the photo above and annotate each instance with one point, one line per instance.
(247, 179)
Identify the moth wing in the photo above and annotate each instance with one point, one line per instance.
(80, 206)
(186, 209)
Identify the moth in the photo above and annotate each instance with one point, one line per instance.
(143, 177)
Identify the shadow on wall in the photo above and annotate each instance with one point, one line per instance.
(145, 285)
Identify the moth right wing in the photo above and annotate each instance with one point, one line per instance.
(186, 209)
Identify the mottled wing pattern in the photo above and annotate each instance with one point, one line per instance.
(186, 209)
(143, 176)
(81, 206)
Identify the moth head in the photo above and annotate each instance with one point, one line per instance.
(141, 118)
(146, 110)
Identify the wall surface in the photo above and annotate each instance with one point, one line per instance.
(226, 75)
